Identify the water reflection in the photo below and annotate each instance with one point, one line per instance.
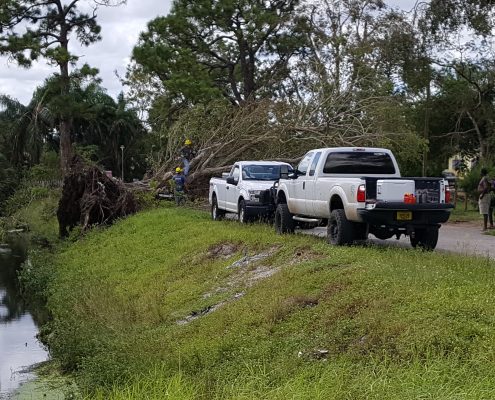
(19, 347)
(11, 304)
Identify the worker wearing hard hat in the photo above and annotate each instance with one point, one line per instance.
(179, 183)
(187, 153)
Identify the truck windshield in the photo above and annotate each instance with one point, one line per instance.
(365, 163)
(261, 172)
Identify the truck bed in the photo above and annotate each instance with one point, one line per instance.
(427, 189)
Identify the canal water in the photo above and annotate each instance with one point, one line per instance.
(19, 348)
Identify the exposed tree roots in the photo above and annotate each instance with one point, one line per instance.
(90, 198)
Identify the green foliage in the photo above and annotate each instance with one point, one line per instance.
(8, 179)
(394, 323)
(48, 169)
(147, 200)
(251, 44)
(90, 153)
(36, 275)
(451, 15)
(27, 189)
(35, 207)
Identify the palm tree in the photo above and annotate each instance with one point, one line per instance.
(25, 128)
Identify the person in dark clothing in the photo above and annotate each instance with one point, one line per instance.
(484, 188)
(187, 153)
(179, 181)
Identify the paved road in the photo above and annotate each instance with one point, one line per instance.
(463, 238)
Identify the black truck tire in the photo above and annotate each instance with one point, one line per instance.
(242, 215)
(283, 220)
(340, 231)
(425, 238)
(216, 214)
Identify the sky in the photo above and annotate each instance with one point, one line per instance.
(120, 31)
(121, 27)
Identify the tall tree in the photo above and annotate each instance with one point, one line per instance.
(208, 49)
(468, 94)
(33, 29)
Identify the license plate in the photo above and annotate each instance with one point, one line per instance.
(404, 215)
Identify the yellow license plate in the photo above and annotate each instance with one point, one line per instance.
(404, 215)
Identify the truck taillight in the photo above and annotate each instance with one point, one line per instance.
(447, 194)
(361, 194)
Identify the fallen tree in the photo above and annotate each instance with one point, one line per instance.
(90, 197)
(278, 131)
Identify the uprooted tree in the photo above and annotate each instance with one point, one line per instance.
(89, 197)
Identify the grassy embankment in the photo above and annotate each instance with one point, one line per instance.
(154, 307)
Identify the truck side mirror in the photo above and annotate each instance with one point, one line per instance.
(231, 180)
(284, 172)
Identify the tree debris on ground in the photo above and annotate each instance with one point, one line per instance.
(90, 197)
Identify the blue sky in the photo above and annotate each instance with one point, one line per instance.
(120, 30)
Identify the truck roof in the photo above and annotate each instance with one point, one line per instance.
(364, 149)
(262, 163)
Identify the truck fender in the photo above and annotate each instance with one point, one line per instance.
(243, 194)
(281, 194)
(213, 191)
(338, 199)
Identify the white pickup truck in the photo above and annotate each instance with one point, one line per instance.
(360, 191)
(244, 191)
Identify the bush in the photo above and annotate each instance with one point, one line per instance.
(47, 169)
(147, 200)
(35, 275)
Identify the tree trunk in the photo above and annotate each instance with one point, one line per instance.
(65, 144)
(65, 125)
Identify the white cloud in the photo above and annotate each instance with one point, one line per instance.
(121, 27)
(120, 31)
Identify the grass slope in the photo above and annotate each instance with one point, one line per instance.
(307, 321)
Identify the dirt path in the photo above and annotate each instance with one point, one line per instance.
(462, 237)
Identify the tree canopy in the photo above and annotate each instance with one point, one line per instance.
(207, 49)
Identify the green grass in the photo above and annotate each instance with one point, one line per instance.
(40, 216)
(470, 215)
(394, 323)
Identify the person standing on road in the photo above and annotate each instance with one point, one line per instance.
(484, 188)
(187, 153)
(492, 203)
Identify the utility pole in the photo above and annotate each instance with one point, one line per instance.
(122, 148)
(427, 126)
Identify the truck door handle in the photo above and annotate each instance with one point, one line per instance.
(304, 185)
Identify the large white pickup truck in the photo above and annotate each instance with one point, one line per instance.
(360, 191)
(243, 191)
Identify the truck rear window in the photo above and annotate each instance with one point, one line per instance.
(360, 163)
